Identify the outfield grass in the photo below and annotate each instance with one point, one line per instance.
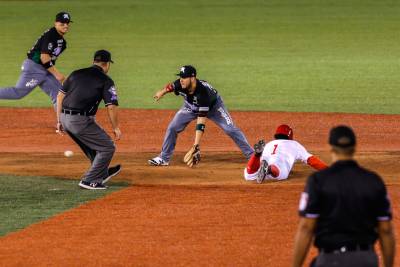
(26, 200)
(292, 55)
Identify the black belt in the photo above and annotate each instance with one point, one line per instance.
(347, 248)
(75, 112)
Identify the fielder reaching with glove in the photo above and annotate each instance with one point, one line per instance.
(276, 159)
(201, 101)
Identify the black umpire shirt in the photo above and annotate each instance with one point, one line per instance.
(85, 88)
(203, 98)
(347, 201)
(51, 42)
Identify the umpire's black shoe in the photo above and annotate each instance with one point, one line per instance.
(92, 186)
(112, 171)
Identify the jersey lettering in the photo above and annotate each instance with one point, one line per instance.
(206, 84)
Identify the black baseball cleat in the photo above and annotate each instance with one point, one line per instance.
(263, 172)
(92, 186)
(112, 171)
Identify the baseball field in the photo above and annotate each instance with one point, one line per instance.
(310, 64)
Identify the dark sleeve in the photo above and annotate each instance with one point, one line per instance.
(204, 102)
(177, 87)
(47, 43)
(67, 84)
(309, 205)
(384, 210)
(110, 93)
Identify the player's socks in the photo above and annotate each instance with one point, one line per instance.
(254, 164)
(273, 171)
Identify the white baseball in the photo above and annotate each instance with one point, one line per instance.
(68, 153)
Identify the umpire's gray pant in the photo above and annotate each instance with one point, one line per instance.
(218, 114)
(94, 142)
(32, 75)
(347, 259)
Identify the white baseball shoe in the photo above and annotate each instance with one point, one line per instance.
(157, 161)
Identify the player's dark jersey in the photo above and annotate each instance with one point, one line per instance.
(203, 99)
(85, 88)
(51, 42)
(347, 201)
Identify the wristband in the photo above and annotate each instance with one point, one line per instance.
(169, 87)
(200, 127)
(48, 64)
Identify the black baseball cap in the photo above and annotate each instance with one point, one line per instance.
(102, 56)
(187, 71)
(342, 136)
(63, 17)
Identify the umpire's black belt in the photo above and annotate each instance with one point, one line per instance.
(75, 112)
(347, 248)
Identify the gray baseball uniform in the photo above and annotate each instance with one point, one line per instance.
(34, 72)
(204, 99)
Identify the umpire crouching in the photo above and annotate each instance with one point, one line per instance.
(77, 104)
(347, 208)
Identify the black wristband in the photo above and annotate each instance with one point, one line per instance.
(48, 64)
(200, 127)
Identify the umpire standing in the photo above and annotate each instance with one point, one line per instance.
(39, 68)
(77, 104)
(346, 208)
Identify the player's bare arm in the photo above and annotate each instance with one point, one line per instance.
(167, 89)
(46, 59)
(60, 99)
(200, 126)
(387, 242)
(113, 116)
(303, 240)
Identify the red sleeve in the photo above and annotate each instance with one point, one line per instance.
(316, 163)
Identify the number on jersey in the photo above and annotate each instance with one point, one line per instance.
(275, 147)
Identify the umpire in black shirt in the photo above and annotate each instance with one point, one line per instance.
(347, 209)
(77, 104)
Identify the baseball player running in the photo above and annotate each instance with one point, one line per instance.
(39, 68)
(275, 159)
(201, 101)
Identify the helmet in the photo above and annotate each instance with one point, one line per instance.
(284, 130)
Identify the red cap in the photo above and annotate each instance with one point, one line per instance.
(284, 130)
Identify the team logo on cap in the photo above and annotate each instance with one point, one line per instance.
(66, 16)
(183, 69)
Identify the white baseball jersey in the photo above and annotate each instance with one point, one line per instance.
(283, 154)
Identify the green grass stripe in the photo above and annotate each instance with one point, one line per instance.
(278, 55)
(27, 200)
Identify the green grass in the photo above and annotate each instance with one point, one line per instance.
(26, 200)
(283, 55)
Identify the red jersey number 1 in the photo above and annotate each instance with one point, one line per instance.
(274, 152)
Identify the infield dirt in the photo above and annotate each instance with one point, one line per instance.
(175, 216)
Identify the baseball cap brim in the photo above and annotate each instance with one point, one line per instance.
(183, 75)
(64, 21)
